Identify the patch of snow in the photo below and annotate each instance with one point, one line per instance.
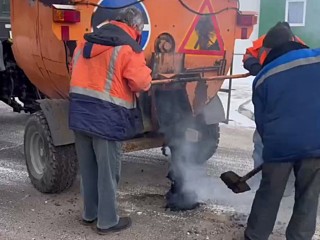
(241, 96)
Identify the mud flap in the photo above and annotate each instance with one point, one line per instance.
(213, 112)
(57, 115)
(2, 66)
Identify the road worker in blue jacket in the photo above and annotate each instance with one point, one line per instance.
(287, 114)
(253, 61)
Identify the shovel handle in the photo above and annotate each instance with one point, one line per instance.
(251, 173)
(186, 79)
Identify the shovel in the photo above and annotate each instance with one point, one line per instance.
(170, 78)
(236, 183)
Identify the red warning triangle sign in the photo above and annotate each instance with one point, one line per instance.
(203, 37)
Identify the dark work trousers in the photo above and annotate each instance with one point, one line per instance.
(268, 197)
(99, 162)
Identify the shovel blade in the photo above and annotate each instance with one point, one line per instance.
(230, 178)
(240, 187)
(233, 182)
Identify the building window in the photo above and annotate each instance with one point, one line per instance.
(296, 12)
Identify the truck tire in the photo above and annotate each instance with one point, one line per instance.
(200, 152)
(51, 169)
(191, 156)
(209, 145)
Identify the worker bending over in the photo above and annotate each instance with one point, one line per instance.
(108, 69)
(252, 61)
(255, 56)
(287, 112)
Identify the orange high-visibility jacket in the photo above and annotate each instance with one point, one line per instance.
(107, 71)
(257, 53)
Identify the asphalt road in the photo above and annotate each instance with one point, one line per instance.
(26, 214)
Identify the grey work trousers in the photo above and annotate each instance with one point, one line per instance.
(257, 161)
(268, 197)
(100, 165)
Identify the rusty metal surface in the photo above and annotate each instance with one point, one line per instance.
(45, 60)
(165, 43)
(167, 63)
(33, 27)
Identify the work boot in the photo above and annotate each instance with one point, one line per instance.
(124, 223)
(88, 223)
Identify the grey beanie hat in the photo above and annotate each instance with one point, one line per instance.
(278, 35)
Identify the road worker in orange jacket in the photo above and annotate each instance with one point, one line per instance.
(108, 69)
(255, 55)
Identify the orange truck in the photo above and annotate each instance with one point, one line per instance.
(182, 39)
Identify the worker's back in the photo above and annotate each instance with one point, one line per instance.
(287, 105)
(107, 71)
(256, 55)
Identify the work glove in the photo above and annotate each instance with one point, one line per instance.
(255, 69)
(252, 65)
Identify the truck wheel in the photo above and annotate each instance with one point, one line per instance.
(198, 152)
(209, 144)
(51, 169)
(191, 156)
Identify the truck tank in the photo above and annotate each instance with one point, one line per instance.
(181, 39)
(204, 39)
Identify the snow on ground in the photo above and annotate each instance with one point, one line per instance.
(242, 87)
(240, 97)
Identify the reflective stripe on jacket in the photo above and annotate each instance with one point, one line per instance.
(287, 104)
(103, 85)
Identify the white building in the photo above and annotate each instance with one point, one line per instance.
(241, 45)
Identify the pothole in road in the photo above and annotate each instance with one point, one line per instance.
(145, 200)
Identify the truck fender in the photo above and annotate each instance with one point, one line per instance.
(56, 112)
(213, 112)
(2, 66)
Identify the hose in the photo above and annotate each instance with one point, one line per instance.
(209, 14)
(86, 2)
(103, 7)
